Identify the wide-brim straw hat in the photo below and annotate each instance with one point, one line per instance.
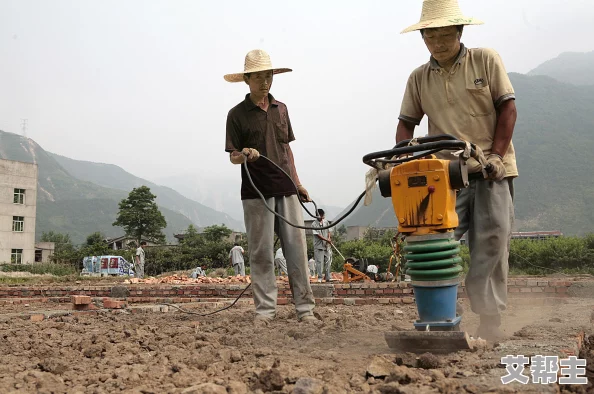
(441, 13)
(255, 61)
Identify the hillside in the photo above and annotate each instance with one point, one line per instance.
(112, 176)
(555, 154)
(68, 205)
(569, 67)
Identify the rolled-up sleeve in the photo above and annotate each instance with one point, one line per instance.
(499, 83)
(411, 110)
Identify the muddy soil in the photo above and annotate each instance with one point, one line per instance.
(228, 353)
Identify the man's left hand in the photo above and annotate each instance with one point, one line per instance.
(303, 194)
(498, 172)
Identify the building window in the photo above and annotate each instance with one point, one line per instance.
(19, 196)
(16, 257)
(18, 223)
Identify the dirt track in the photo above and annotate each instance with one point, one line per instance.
(226, 353)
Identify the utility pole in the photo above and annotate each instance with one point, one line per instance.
(24, 127)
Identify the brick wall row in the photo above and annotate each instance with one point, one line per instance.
(517, 287)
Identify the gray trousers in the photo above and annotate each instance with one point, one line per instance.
(281, 266)
(139, 271)
(322, 257)
(239, 268)
(485, 210)
(260, 226)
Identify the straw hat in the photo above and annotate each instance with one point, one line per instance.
(441, 13)
(256, 60)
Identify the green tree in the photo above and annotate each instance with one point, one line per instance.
(140, 216)
(64, 250)
(216, 233)
(95, 246)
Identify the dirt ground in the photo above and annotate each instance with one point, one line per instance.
(227, 353)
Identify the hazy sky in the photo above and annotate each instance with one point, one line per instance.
(140, 83)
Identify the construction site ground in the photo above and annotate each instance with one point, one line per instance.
(148, 348)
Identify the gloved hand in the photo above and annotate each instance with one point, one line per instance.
(251, 153)
(498, 172)
(303, 194)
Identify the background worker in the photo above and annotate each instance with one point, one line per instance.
(322, 245)
(139, 259)
(236, 259)
(467, 93)
(261, 124)
(280, 262)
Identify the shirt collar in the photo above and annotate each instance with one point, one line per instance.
(249, 104)
(435, 65)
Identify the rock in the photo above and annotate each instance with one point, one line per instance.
(308, 386)
(236, 356)
(119, 292)
(389, 388)
(93, 351)
(205, 388)
(380, 367)
(402, 375)
(54, 366)
(428, 361)
(237, 388)
(471, 388)
(437, 375)
(270, 380)
(225, 355)
(356, 381)
(263, 352)
(557, 320)
(371, 380)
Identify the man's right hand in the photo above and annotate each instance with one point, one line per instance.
(251, 153)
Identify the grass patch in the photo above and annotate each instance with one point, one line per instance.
(40, 269)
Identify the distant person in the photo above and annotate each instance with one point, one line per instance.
(466, 92)
(322, 252)
(236, 259)
(280, 262)
(139, 259)
(260, 124)
(311, 264)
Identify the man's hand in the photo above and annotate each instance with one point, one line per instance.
(498, 172)
(251, 153)
(303, 194)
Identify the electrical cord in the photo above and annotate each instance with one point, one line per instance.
(209, 313)
(340, 219)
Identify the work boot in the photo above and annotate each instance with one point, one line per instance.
(261, 320)
(489, 328)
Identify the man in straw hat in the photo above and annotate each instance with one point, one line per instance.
(466, 92)
(260, 125)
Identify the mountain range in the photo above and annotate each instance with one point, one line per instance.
(80, 197)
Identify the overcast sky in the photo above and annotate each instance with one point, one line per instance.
(140, 83)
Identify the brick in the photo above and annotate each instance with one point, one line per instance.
(537, 290)
(525, 290)
(384, 300)
(561, 289)
(327, 300)
(514, 290)
(359, 292)
(543, 283)
(349, 301)
(549, 289)
(408, 300)
(37, 317)
(81, 300)
(521, 283)
(407, 291)
(531, 283)
(282, 301)
(360, 301)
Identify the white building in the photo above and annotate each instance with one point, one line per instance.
(18, 205)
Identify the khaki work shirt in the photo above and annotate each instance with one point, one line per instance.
(462, 102)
